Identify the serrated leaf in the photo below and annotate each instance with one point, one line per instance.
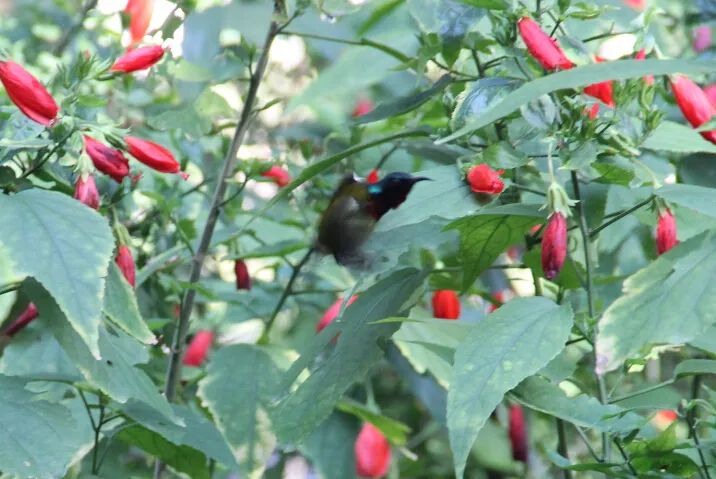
(488, 233)
(38, 438)
(697, 198)
(578, 77)
(511, 344)
(678, 138)
(671, 301)
(240, 382)
(120, 306)
(584, 411)
(64, 245)
(356, 351)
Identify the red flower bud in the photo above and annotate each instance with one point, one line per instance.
(641, 55)
(518, 434)
(153, 155)
(372, 452)
(125, 261)
(694, 104)
(702, 38)
(602, 90)
(279, 175)
(243, 280)
(330, 314)
(446, 304)
(140, 14)
(198, 348)
(501, 297)
(711, 94)
(372, 177)
(109, 161)
(593, 111)
(28, 94)
(542, 47)
(636, 4)
(362, 107)
(483, 179)
(138, 59)
(86, 191)
(663, 418)
(554, 245)
(665, 232)
(23, 320)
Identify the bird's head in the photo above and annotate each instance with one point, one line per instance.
(392, 190)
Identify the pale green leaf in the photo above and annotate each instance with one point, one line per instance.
(120, 305)
(691, 367)
(697, 198)
(678, 138)
(395, 431)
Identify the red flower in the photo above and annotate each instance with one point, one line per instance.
(153, 155)
(243, 280)
(140, 14)
(593, 111)
(663, 418)
(372, 177)
(602, 90)
(641, 55)
(542, 47)
(138, 59)
(125, 261)
(86, 191)
(694, 104)
(501, 297)
(109, 161)
(372, 452)
(330, 314)
(711, 94)
(279, 175)
(518, 434)
(702, 38)
(483, 179)
(28, 94)
(665, 232)
(23, 320)
(554, 245)
(362, 107)
(636, 4)
(198, 348)
(446, 304)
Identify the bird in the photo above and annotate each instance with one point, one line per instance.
(354, 209)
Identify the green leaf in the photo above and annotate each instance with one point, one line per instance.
(404, 104)
(356, 351)
(697, 198)
(488, 233)
(450, 19)
(579, 77)
(38, 438)
(691, 367)
(25, 144)
(240, 383)
(488, 4)
(64, 245)
(584, 411)
(120, 305)
(330, 447)
(678, 138)
(395, 431)
(503, 155)
(479, 97)
(511, 344)
(115, 373)
(670, 301)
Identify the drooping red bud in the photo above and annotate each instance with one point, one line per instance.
(602, 91)
(665, 232)
(153, 155)
(86, 191)
(483, 179)
(694, 104)
(702, 38)
(28, 94)
(140, 14)
(636, 4)
(446, 304)
(109, 161)
(138, 59)
(198, 348)
(362, 107)
(542, 47)
(711, 94)
(372, 177)
(518, 434)
(593, 111)
(243, 279)
(279, 175)
(27, 316)
(330, 314)
(641, 55)
(372, 452)
(554, 245)
(125, 261)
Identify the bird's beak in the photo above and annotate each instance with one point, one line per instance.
(421, 178)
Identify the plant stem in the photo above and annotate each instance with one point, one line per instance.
(9, 288)
(619, 216)
(586, 244)
(95, 449)
(46, 157)
(585, 439)
(174, 366)
(668, 382)
(562, 446)
(72, 31)
(691, 418)
(364, 42)
(625, 456)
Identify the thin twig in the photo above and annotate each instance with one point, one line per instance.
(649, 389)
(562, 446)
(691, 418)
(72, 31)
(619, 216)
(585, 439)
(625, 456)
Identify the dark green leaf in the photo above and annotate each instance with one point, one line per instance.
(692, 367)
(330, 447)
(120, 305)
(395, 431)
(488, 4)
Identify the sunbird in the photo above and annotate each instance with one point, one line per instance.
(354, 210)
